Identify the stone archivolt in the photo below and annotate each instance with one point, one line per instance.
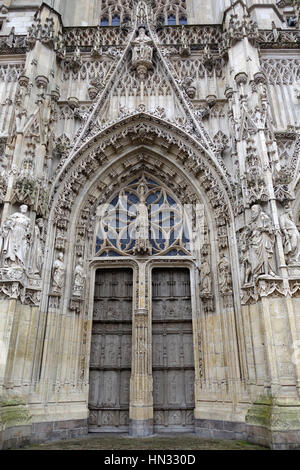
(178, 116)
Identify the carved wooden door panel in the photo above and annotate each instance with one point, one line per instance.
(173, 360)
(110, 364)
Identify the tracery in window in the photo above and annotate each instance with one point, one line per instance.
(114, 12)
(171, 12)
(143, 218)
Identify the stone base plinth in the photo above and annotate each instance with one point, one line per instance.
(229, 430)
(294, 270)
(140, 428)
(36, 433)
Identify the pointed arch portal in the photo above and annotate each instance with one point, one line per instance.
(141, 208)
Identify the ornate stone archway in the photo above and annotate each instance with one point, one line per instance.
(209, 114)
(136, 146)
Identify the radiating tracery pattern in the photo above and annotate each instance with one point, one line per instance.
(143, 219)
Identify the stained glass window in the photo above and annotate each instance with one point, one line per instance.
(143, 214)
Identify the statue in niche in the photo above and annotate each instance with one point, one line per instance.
(58, 273)
(15, 236)
(275, 31)
(225, 280)
(79, 278)
(291, 235)
(3, 177)
(142, 50)
(142, 245)
(261, 242)
(246, 264)
(37, 249)
(185, 49)
(205, 278)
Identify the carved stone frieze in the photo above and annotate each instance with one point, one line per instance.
(265, 286)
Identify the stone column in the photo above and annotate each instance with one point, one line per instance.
(141, 382)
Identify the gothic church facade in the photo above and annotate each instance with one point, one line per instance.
(150, 213)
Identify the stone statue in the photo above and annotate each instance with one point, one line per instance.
(37, 250)
(15, 236)
(225, 281)
(205, 278)
(275, 31)
(261, 242)
(79, 278)
(143, 50)
(58, 273)
(291, 235)
(142, 245)
(246, 264)
(3, 177)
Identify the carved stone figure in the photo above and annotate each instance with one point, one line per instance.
(58, 273)
(247, 271)
(275, 31)
(3, 177)
(261, 242)
(291, 235)
(190, 87)
(225, 281)
(142, 244)
(37, 250)
(185, 49)
(79, 279)
(60, 46)
(15, 237)
(205, 278)
(142, 51)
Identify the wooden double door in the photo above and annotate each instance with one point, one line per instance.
(172, 351)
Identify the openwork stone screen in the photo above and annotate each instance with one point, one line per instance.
(143, 214)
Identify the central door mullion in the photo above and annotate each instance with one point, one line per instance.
(141, 382)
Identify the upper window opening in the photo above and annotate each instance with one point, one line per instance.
(116, 21)
(291, 21)
(171, 20)
(104, 22)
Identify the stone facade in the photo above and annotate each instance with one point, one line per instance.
(157, 138)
